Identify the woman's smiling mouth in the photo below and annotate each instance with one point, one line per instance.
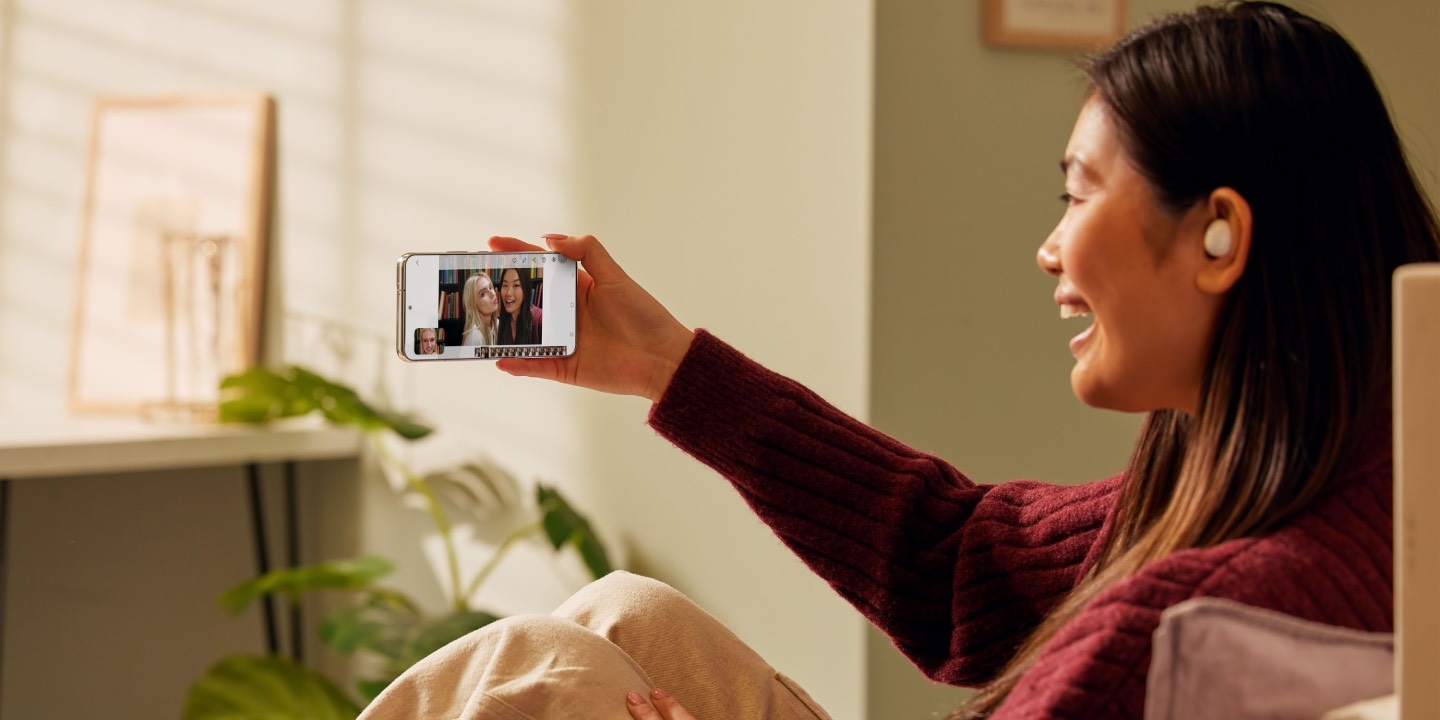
(1071, 306)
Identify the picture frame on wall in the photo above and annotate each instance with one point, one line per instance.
(1053, 24)
(170, 283)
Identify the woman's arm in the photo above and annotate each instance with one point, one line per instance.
(955, 573)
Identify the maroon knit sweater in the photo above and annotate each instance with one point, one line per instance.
(957, 573)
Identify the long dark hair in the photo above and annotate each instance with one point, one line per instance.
(1257, 97)
(524, 320)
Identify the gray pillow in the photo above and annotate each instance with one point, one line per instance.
(1216, 658)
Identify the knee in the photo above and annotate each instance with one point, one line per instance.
(514, 636)
(527, 648)
(622, 585)
(520, 661)
(620, 597)
(527, 628)
(622, 592)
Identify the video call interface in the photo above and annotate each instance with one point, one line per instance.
(489, 306)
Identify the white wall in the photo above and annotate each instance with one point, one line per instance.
(725, 159)
(721, 151)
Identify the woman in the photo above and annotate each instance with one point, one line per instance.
(482, 310)
(520, 321)
(1236, 201)
(429, 342)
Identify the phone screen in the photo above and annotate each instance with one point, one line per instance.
(484, 306)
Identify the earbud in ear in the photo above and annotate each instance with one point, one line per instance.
(1217, 238)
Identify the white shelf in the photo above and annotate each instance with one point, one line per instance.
(30, 449)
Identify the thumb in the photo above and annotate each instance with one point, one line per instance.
(590, 253)
(543, 368)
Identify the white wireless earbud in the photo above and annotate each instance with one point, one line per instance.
(1217, 238)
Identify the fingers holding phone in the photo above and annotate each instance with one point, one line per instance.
(628, 343)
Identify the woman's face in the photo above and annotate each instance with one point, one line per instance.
(512, 294)
(485, 300)
(1130, 268)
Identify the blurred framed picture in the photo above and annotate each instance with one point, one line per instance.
(1054, 24)
(169, 289)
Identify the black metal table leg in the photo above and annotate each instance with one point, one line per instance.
(4, 570)
(262, 555)
(292, 559)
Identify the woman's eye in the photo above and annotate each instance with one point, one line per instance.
(1066, 198)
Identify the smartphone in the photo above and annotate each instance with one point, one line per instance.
(484, 305)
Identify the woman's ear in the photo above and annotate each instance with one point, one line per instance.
(1226, 241)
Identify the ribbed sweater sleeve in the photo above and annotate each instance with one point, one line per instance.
(954, 572)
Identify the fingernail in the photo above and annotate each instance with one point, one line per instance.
(554, 236)
(634, 698)
(658, 694)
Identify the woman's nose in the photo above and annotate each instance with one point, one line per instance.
(1048, 256)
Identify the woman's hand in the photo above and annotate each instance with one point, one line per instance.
(626, 341)
(665, 707)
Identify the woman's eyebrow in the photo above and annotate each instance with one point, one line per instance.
(1082, 170)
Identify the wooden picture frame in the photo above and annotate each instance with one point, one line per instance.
(171, 278)
(1054, 24)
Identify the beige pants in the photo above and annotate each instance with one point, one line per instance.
(623, 633)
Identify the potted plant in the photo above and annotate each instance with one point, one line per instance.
(382, 622)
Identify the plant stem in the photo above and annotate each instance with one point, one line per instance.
(519, 534)
(437, 514)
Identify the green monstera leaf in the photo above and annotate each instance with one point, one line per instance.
(436, 633)
(424, 638)
(397, 634)
(260, 395)
(248, 687)
(380, 623)
(354, 574)
(564, 526)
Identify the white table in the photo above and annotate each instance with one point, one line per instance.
(48, 448)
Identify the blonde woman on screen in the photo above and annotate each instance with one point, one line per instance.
(482, 310)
